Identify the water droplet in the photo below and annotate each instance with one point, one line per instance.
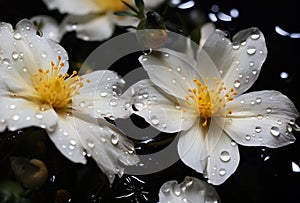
(82, 104)
(174, 81)
(144, 58)
(24, 69)
(269, 110)
(114, 139)
(240, 75)
(12, 106)
(72, 147)
(258, 129)
(255, 34)
(248, 137)
(90, 144)
(177, 190)
(15, 55)
(258, 100)
(43, 54)
(225, 156)
(178, 69)
(45, 107)
(6, 61)
(39, 116)
(73, 142)
(235, 46)
(154, 120)
(103, 94)
(16, 117)
(275, 131)
(165, 189)
(259, 116)
(237, 84)
(251, 63)
(17, 36)
(233, 143)
(166, 55)
(254, 72)
(251, 50)
(113, 102)
(222, 172)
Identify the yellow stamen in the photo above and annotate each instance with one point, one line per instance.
(56, 89)
(112, 5)
(209, 101)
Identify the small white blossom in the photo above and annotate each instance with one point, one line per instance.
(37, 90)
(94, 20)
(205, 100)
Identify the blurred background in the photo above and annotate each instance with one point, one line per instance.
(264, 175)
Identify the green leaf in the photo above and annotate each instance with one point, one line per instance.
(131, 7)
(196, 35)
(124, 13)
(140, 4)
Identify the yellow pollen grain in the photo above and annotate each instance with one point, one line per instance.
(112, 5)
(209, 101)
(56, 89)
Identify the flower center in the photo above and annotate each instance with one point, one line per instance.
(209, 101)
(56, 89)
(112, 5)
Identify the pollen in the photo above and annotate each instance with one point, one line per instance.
(55, 89)
(209, 101)
(112, 5)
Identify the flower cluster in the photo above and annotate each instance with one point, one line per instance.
(200, 94)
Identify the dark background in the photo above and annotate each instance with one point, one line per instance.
(264, 175)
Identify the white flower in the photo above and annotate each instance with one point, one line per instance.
(93, 20)
(36, 90)
(190, 190)
(204, 100)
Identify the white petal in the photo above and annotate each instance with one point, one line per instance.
(17, 113)
(106, 144)
(222, 161)
(66, 139)
(190, 190)
(50, 27)
(79, 135)
(24, 52)
(190, 146)
(93, 27)
(261, 119)
(77, 7)
(171, 71)
(100, 97)
(162, 111)
(206, 30)
(239, 62)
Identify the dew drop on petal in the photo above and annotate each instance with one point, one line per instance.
(222, 172)
(258, 129)
(237, 84)
(248, 137)
(275, 131)
(225, 156)
(15, 55)
(154, 120)
(73, 142)
(16, 117)
(251, 50)
(82, 104)
(114, 139)
(113, 102)
(258, 100)
(90, 144)
(12, 106)
(39, 116)
(17, 36)
(259, 116)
